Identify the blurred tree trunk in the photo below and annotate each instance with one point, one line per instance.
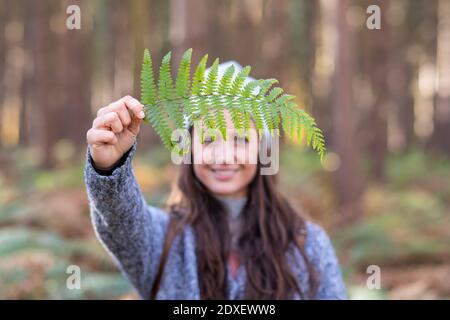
(27, 77)
(76, 79)
(441, 134)
(275, 42)
(246, 40)
(348, 179)
(303, 39)
(141, 25)
(103, 55)
(188, 28)
(400, 78)
(3, 20)
(139, 21)
(45, 82)
(122, 42)
(323, 67)
(220, 29)
(377, 68)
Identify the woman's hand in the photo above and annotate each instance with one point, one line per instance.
(114, 131)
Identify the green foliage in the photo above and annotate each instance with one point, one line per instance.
(168, 106)
(400, 225)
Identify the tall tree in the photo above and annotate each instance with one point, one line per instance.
(3, 19)
(41, 80)
(400, 77)
(188, 28)
(275, 42)
(377, 67)
(140, 26)
(76, 80)
(27, 77)
(348, 178)
(442, 106)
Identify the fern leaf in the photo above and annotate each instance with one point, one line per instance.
(184, 75)
(167, 93)
(210, 86)
(274, 110)
(154, 113)
(166, 90)
(225, 82)
(239, 80)
(219, 118)
(199, 75)
(265, 86)
(206, 97)
(148, 87)
(249, 88)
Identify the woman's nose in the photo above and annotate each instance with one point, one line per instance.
(226, 152)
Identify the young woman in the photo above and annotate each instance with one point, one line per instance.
(230, 234)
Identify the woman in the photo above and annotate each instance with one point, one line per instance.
(229, 235)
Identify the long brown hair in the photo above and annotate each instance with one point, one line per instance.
(270, 226)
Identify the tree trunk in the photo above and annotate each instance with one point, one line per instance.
(440, 139)
(76, 79)
(348, 179)
(377, 57)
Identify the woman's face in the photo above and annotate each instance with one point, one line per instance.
(226, 167)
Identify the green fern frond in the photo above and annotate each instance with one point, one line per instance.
(199, 75)
(210, 86)
(184, 75)
(154, 112)
(219, 117)
(249, 88)
(265, 86)
(205, 98)
(238, 82)
(272, 108)
(166, 90)
(225, 82)
(167, 94)
(148, 87)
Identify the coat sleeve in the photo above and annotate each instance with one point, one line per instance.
(131, 231)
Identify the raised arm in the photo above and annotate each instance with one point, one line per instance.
(130, 230)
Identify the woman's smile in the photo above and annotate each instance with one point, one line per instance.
(224, 172)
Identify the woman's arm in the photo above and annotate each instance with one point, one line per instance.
(131, 231)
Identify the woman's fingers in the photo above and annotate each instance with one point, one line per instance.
(99, 136)
(118, 108)
(110, 121)
(124, 107)
(116, 125)
(135, 106)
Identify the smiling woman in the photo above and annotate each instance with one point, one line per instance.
(230, 234)
(196, 249)
(226, 167)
